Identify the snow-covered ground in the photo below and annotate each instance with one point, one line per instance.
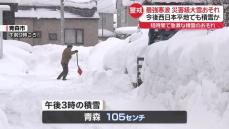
(188, 72)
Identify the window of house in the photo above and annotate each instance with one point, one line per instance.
(80, 36)
(52, 36)
(73, 36)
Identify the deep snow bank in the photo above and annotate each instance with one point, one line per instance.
(20, 60)
(15, 57)
(118, 55)
(99, 53)
(190, 72)
(21, 92)
(192, 59)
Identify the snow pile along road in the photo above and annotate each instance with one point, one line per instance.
(190, 72)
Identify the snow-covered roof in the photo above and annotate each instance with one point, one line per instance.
(129, 2)
(51, 9)
(8, 1)
(47, 13)
(4, 7)
(106, 6)
(72, 3)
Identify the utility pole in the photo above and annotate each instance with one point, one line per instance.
(2, 8)
(62, 21)
(96, 2)
(1, 38)
(102, 24)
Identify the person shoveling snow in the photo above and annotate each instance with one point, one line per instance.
(66, 56)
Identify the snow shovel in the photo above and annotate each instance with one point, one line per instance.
(79, 71)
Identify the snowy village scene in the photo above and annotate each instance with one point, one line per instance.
(114, 64)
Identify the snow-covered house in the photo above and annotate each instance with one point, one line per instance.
(225, 4)
(226, 12)
(43, 17)
(9, 16)
(123, 18)
(106, 9)
(227, 16)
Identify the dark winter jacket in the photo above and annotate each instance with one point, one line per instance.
(67, 55)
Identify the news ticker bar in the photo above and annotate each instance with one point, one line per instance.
(120, 117)
(182, 13)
